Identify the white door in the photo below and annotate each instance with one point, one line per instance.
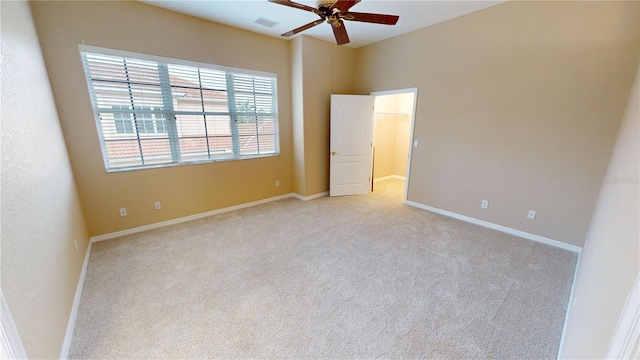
(351, 144)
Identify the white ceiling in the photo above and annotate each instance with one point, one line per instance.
(414, 14)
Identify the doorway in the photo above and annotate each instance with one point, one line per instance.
(393, 121)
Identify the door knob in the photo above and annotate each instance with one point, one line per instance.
(335, 153)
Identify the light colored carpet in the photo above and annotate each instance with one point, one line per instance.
(350, 277)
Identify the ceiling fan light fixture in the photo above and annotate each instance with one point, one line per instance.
(324, 4)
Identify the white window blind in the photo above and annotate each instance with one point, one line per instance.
(163, 111)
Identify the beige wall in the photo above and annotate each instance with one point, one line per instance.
(610, 262)
(384, 141)
(518, 104)
(391, 134)
(324, 69)
(403, 136)
(403, 133)
(385, 126)
(41, 213)
(182, 190)
(297, 112)
(405, 103)
(391, 142)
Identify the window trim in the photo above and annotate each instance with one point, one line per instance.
(83, 48)
(176, 61)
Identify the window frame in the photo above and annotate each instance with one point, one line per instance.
(170, 114)
(131, 124)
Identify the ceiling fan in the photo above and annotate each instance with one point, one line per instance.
(333, 12)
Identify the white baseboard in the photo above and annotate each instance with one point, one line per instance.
(504, 229)
(627, 334)
(389, 177)
(573, 295)
(311, 197)
(66, 344)
(524, 235)
(64, 353)
(186, 218)
(12, 347)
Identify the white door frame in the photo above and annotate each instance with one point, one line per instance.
(627, 334)
(413, 90)
(12, 347)
(345, 160)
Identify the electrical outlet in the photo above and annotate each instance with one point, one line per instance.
(531, 215)
(75, 244)
(157, 205)
(485, 204)
(277, 182)
(123, 211)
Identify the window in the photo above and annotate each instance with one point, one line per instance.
(153, 111)
(128, 123)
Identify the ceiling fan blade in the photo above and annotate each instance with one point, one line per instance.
(343, 5)
(371, 18)
(303, 28)
(340, 32)
(296, 5)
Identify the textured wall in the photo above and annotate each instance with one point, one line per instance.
(297, 115)
(403, 137)
(384, 141)
(320, 69)
(518, 104)
(41, 213)
(610, 262)
(391, 134)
